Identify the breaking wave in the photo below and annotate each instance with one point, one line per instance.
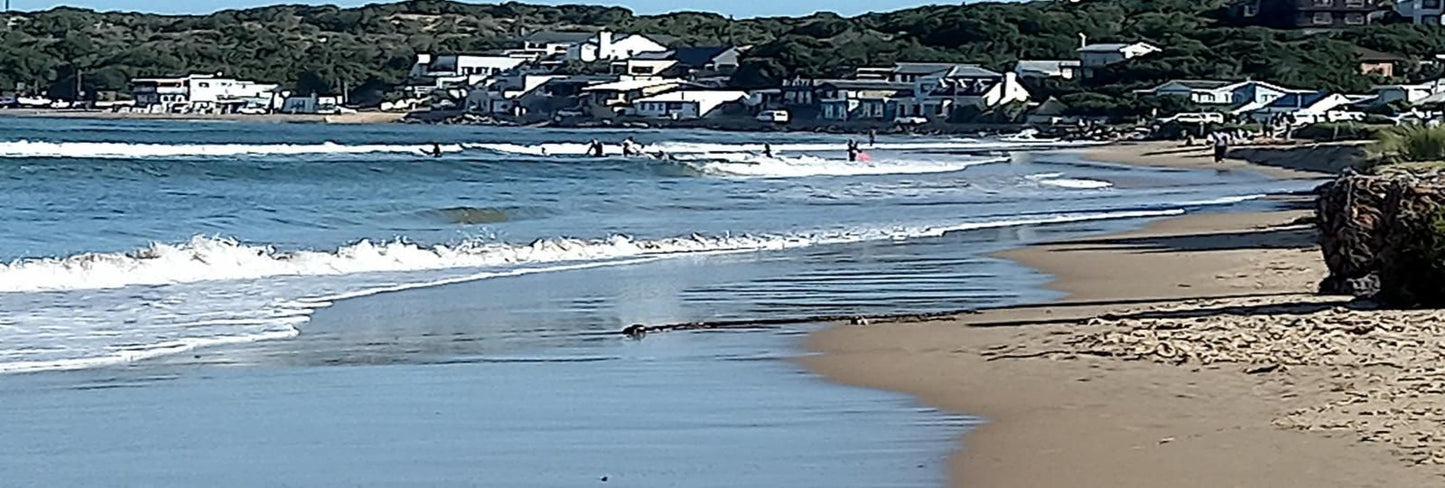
(123, 150)
(675, 148)
(755, 165)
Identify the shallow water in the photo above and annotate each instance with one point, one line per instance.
(443, 321)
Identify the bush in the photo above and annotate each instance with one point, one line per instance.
(1341, 131)
(1409, 143)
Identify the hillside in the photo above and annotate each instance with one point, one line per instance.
(316, 48)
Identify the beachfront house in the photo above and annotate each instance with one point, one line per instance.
(1095, 56)
(1066, 69)
(201, 94)
(430, 73)
(687, 104)
(1425, 12)
(606, 46)
(1408, 94)
(515, 95)
(1219, 94)
(645, 65)
(870, 99)
(615, 98)
(709, 64)
(941, 95)
(1301, 106)
(1376, 62)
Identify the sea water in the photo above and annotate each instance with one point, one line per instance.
(314, 304)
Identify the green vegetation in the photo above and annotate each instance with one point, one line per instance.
(325, 48)
(1410, 144)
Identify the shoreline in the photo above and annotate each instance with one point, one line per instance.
(1068, 403)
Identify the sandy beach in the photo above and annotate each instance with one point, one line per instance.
(1285, 161)
(1189, 353)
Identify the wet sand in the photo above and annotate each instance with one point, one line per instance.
(1257, 382)
(1074, 417)
(1286, 161)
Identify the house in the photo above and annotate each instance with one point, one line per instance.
(606, 98)
(869, 99)
(312, 104)
(912, 72)
(514, 96)
(708, 59)
(198, 93)
(1376, 62)
(1413, 94)
(941, 95)
(645, 65)
(1051, 112)
(550, 43)
(1302, 105)
(1306, 14)
(686, 104)
(1066, 69)
(430, 73)
(1203, 92)
(1095, 56)
(606, 46)
(1426, 12)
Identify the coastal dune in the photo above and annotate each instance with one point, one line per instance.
(1081, 392)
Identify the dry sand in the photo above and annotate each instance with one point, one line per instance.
(1258, 382)
(1303, 160)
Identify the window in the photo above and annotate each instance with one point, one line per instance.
(1324, 3)
(1354, 3)
(204, 84)
(1355, 19)
(1250, 10)
(1324, 18)
(1430, 20)
(1430, 4)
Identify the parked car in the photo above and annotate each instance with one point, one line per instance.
(910, 120)
(1195, 118)
(775, 116)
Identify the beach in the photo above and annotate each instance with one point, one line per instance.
(1192, 352)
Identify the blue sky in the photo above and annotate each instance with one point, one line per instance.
(740, 8)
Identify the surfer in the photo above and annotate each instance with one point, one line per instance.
(594, 148)
(629, 147)
(767, 150)
(436, 150)
(852, 150)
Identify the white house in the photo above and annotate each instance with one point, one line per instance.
(645, 65)
(1301, 106)
(686, 104)
(1095, 56)
(605, 46)
(198, 93)
(550, 43)
(1409, 94)
(939, 95)
(510, 96)
(1066, 69)
(430, 73)
(1428, 12)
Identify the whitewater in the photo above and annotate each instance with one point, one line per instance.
(144, 246)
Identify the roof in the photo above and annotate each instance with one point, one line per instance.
(695, 95)
(553, 37)
(921, 68)
(1050, 107)
(1110, 47)
(699, 56)
(1372, 55)
(629, 85)
(1299, 100)
(653, 56)
(1046, 65)
(880, 85)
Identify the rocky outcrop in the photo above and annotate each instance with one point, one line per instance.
(1383, 237)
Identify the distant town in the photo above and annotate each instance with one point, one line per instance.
(601, 76)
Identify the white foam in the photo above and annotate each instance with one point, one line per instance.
(754, 165)
(122, 150)
(1075, 183)
(168, 299)
(678, 148)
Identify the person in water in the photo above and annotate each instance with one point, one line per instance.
(852, 150)
(594, 148)
(436, 150)
(629, 148)
(872, 137)
(767, 150)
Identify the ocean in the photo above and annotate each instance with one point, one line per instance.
(239, 304)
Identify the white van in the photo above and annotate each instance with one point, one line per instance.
(774, 116)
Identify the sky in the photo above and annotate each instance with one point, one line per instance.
(739, 8)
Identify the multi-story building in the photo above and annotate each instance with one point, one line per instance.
(1427, 12)
(1307, 14)
(201, 93)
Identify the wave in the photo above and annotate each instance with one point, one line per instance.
(123, 150)
(755, 165)
(219, 259)
(676, 148)
(1075, 183)
(214, 291)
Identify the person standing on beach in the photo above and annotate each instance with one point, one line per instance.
(1221, 146)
